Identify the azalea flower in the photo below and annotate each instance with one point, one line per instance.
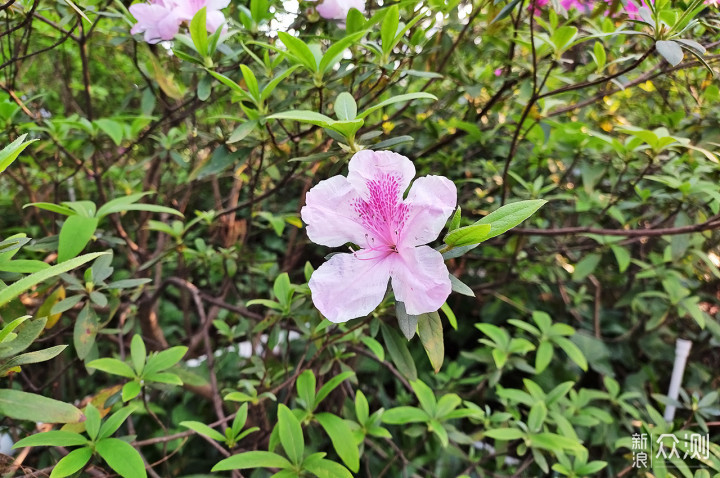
(368, 209)
(157, 20)
(338, 9)
(161, 19)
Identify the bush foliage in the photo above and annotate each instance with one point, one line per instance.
(154, 265)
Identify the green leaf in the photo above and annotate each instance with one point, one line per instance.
(34, 357)
(282, 288)
(466, 236)
(27, 332)
(112, 366)
(165, 359)
(251, 82)
(425, 396)
(112, 423)
(305, 116)
(306, 389)
(362, 409)
(671, 51)
(397, 99)
(138, 353)
(10, 152)
(131, 390)
(505, 12)
(449, 314)
(112, 128)
(536, 417)
(510, 215)
(431, 335)
(252, 459)
(345, 107)
(72, 462)
(335, 51)
(36, 408)
(75, 233)
(242, 131)
(586, 266)
(9, 293)
(572, 351)
(198, 31)
(389, 28)
(375, 347)
(405, 415)
(543, 356)
(331, 385)
(622, 256)
(203, 429)
(48, 206)
(299, 50)
(163, 377)
(338, 431)
(291, 434)
(122, 457)
(399, 352)
(52, 438)
(460, 287)
(505, 434)
(406, 322)
(326, 469)
(92, 421)
(86, 328)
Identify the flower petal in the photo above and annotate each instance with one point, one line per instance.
(431, 200)
(330, 215)
(346, 287)
(420, 279)
(370, 165)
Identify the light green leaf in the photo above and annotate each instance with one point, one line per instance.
(9, 293)
(345, 107)
(137, 353)
(291, 434)
(252, 459)
(75, 233)
(405, 415)
(510, 215)
(397, 99)
(112, 366)
(52, 438)
(203, 429)
(466, 236)
(10, 152)
(338, 431)
(122, 457)
(72, 462)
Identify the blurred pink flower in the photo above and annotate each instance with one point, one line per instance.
(161, 19)
(338, 9)
(712, 3)
(498, 71)
(158, 20)
(367, 208)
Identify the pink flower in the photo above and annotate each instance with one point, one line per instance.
(157, 19)
(338, 9)
(186, 10)
(161, 19)
(367, 208)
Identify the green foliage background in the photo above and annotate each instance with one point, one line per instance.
(182, 161)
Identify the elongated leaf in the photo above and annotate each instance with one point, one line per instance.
(510, 215)
(299, 51)
(291, 434)
(114, 421)
(670, 50)
(26, 332)
(397, 99)
(324, 469)
(165, 359)
(52, 438)
(34, 357)
(407, 323)
(345, 107)
(76, 232)
(9, 293)
(431, 335)
(113, 366)
(339, 431)
(36, 408)
(305, 116)
(203, 429)
(198, 31)
(86, 328)
(122, 457)
(466, 236)
(405, 415)
(306, 389)
(399, 352)
(72, 462)
(335, 51)
(252, 459)
(10, 152)
(48, 206)
(331, 385)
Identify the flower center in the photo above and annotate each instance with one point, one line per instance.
(382, 213)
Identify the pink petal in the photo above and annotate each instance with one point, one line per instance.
(431, 199)
(420, 279)
(346, 287)
(369, 165)
(330, 215)
(214, 19)
(331, 10)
